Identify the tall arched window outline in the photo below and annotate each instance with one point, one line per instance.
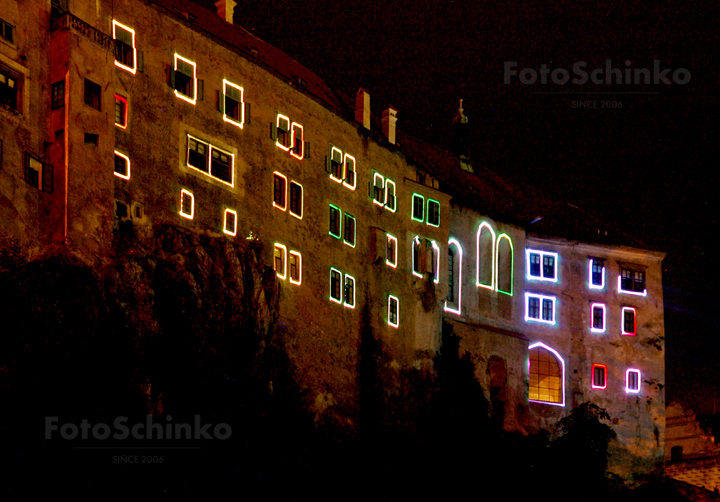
(435, 262)
(562, 373)
(500, 238)
(491, 285)
(449, 308)
(416, 265)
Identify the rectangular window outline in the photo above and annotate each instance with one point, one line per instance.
(38, 174)
(280, 251)
(391, 248)
(208, 171)
(347, 169)
(57, 93)
(126, 175)
(296, 274)
(282, 125)
(337, 166)
(187, 199)
(539, 298)
(393, 311)
(335, 279)
(378, 189)
(334, 210)
(6, 28)
(294, 199)
(93, 95)
(10, 79)
(593, 327)
(297, 149)
(592, 262)
(632, 383)
(281, 193)
(233, 230)
(390, 200)
(625, 311)
(190, 99)
(418, 207)
(435, 204)
(349, 287)
(542, 273)
(595, 384)
(632, 275)
(132, 69)
(124, 111)
(349, 239)
(241, 104)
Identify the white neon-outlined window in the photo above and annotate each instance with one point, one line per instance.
(416, 267)
(233, 105)
(335, 221)
(296, 200)
(349, 232)
(210, 160)
(391, 251)
(541, 265)
(185, 79)
(335, 285)
(335, 165)
(393, 311)
(632, 381)
(350, 178)
(539, 308)
(454, 300)
(629, 321)
(485, 269)
(284, 139)
(187, 204)
(418, 207)
(547, 375)
(597, 321)
(121, 111)
(435, 261)
(390, 199)
(297, 149)
(230, 223)
(122, 166)
(504, 265)
(295, 268)
(378, 189)
(596, 273)
(279, 191)
(280, 261)
(599, 376)
(125, 51)
(632, 282)
(349, 292)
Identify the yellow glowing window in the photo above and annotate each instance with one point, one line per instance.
(232, 104)
(545, 376)
(187, 204)
(295, 267)
(125, 52)
(230, 226)
(122, 166)
(280, 261)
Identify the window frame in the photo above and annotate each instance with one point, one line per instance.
(389, 182)
(132, 69)
(286, 135)
(298, 265)
(336, 165)
(38, 174)
(241, 104)
(624, 311)
(4, 28)
(194, 81)
(124, 103)
(543, 255)
(13, 80)
(388, 262)
(57, 95)
(336, 210)
(347, 218)
(415, 257)
(209, 165)
(298, 215)
(378, 193)
(496, 264)
(294, 127)
(456, 266)
(283, 256)
(437, 204)
(628, 388)
(232, 232)
(493, 250)
(634, 282)
(435, 261)
(346, 170)
(348, 279)
(182, 211)
(591, 263)
(593, 383)
(92, 94)
(602, 307)
(421, 206)
(541, 299)
(340, 282)
(562, 374)
(126, 176)
(277, 175)
(393, 300)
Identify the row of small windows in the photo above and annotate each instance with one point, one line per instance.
(541, 308)
(628, 319)
(187, 210)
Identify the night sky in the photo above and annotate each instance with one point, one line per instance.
(648, 167)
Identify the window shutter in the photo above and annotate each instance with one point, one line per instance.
(171, 76)
(306, 150)
(220, 102)
(140, 61)
(328, 165)
(371, 190)
(273, 131)
(47, 178)
(247, 112)
(200, 89)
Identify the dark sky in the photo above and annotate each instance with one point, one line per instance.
(649, 167)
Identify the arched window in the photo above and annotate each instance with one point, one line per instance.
(453, 302)
(416, 265)
(547, 370)
(485, 256)
(504, 265)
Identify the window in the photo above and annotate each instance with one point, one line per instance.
(280, 261)
(541, 265)
(91, 139)
(57, 91)
(335, 288)
(289, 136)
(7, 31)
(210, 160)
(598, 318)
(546, 375)
(279, 191)
(632, 281)
(230, 226)
(504, 265)
(390, 201)
(597, 273)
(393, 311)
(418, 206)
(416, 267)
(125, 52)
(349, 172)
(187, 204)
(296, 199)
(9, 88)
(629, 322)
(93, 93)
(391, 251)
(121, 111)
(454, 277)
(433, 213)
(335, 164)
(297, 149)
(183, 79)
(485, 256)
(435, 262)
(377, 189)
(349, 237)
(349, 292)
(540, 308)
(38, 174)
(632, 381)
(599, 376)
(122, 166)
(295, 268)
(283, 132)
(335, 223)
(232, 105)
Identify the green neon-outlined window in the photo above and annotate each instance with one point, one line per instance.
(418, 207)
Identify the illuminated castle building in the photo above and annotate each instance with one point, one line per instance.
(149, 113)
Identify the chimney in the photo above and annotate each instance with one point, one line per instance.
(389, 118)
(225, 9)
(362, 108)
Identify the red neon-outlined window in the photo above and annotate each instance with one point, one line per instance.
(125, 51)
(599, 376)
(121, 111)
(629, 321)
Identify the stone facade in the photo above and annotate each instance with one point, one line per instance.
(119, 154)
